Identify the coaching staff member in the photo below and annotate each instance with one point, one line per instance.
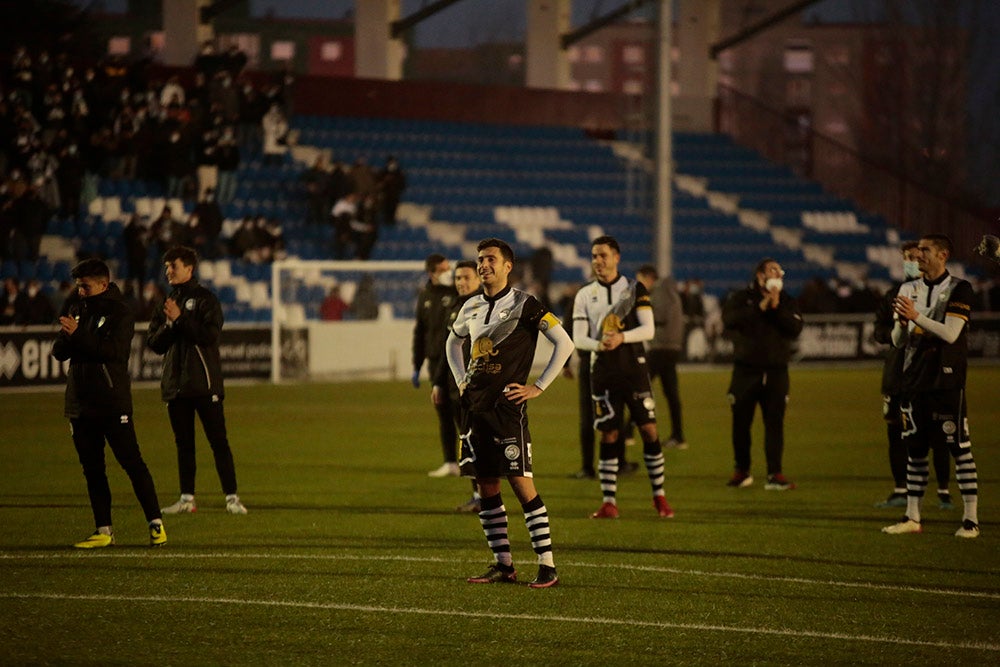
(96, 336)
(762, 321)
(186, 331)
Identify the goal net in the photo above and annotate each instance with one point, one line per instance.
(342, 319)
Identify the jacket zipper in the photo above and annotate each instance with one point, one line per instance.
(107, 376)
(204, 365)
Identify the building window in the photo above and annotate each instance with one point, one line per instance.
(573, 54)
(633, 55)
(593, 86)
(332, 51)
(633, 87)
(283, 50)
(119, 46)
(593, 54)
(798, 58)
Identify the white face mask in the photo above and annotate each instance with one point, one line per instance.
(771, 283)
(446, 278)
(911, 269)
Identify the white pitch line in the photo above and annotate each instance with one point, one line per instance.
(417, 611)
(603, 566)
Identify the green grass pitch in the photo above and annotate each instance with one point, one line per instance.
(352, 555)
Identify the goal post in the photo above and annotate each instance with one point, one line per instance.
(371, 340)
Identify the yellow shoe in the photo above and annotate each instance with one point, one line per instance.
(157, 535)
(96, 541)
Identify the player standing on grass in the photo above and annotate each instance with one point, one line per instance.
(96, 336)
(467, 284)
(502, 325)
(612, 316)
(186, 332)
(932, 324)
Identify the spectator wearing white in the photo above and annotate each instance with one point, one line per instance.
(275, 129)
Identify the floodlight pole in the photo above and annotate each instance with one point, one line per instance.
(663, 167)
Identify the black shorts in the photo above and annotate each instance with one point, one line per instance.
(497, 443)
(936, 419)
(613, 395)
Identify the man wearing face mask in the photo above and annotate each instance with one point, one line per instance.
(429, 333)
(763, 321)
(892, 373)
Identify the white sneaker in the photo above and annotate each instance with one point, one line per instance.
(446, 470)
(234, 506)
(907, 525)
(969, 529)
(180, 506)
(673, 443)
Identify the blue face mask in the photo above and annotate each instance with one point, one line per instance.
(911, 269)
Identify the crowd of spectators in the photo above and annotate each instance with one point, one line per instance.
(355, 199)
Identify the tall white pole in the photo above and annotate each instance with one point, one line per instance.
(664, 142)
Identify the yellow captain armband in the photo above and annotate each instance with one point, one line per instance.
(548, 321)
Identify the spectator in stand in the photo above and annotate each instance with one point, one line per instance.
(150, 301)
(172, 93)
(364, 228)
(252, 110)
(334, 307)
(244, 242)
(210, 217)
(317, 181)
(208, 61)
(206, 161)
(60, 296)
(343, 214)
(69, 175)
(136, 237)
(31, 217)
(365, 305)
(391, 183)
(162, 230)
(234, 60)
(363, 179)
(227, 158)
(340, 182)
(177, 158)
(14, 305)
(275, 129)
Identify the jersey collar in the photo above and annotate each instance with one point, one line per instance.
(931, 283)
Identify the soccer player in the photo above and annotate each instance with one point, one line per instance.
(186, 331)
(664, 350)
(429, 333)
(931, 327)
(467, 284)
(96, 336)
(892, 374)
(502, 325)
(612, 316)
(762, 321)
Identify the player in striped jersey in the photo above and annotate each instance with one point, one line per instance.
(612, 316)
(503, 324)
(932, 327)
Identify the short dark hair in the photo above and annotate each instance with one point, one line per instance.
(91, 268)
(648, 270)
(433, 260)
(505, 250)
(908, 245)
(608, 241)
(465, 264)
(761, 264)
(942, 241)
(187, 256)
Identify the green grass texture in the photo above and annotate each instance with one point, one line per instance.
(351, 554)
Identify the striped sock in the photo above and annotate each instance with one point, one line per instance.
(968, 484)
(652, 452)
(536, 518)
(607, 469)
(916, 483)
(493, 517)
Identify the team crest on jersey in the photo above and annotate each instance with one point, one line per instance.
(503, 314)
(483, 348)
(612, 324)
(100, 322)
(948, 427)
(512, 452)
(189, 304)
